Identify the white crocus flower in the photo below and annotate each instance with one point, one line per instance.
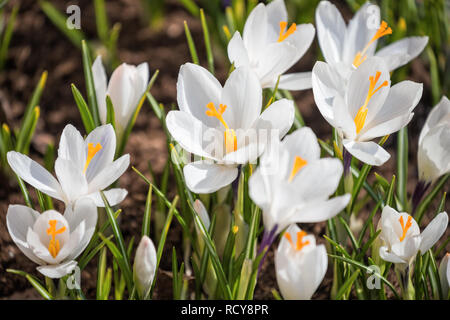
(50, 239)
(125, 88)
(83, 167)
(270, 47)
(223, 125)
(444, 274)
(292, 184)
(434, 143)
(368, 107)
(401, 235)
(300, 264)
(346, 47)
(144, 267)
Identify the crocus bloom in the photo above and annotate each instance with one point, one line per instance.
(83, 167)
(368, 107)
(300, 264)
(434, 143)
(125, 88)
(50, 239)
(270, 47)
(292, 184)
(223, 125)
(144, 267)
(444, 274)
(401, 235)
(346, 47)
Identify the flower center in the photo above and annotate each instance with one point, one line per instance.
(229, 134)
(92, 151)
(360, 117)
(53, 246)
(300, 243)
(406, 227)
(283, 33)
(299, 163)
(381, 32)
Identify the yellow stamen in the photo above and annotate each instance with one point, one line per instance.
(92, 151)
(361, 115)
(229, 134)
(53, 246)
(361, 56)
(283, 33)
(406, 227)
(300, 243)
(299, 163)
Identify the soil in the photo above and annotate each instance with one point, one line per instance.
(37, 45)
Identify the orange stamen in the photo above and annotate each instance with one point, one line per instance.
(53, 246)
(406, 227)
(361, 115)
(229, 134)
(299, 163)
(92, 151)
(361, 56)
(283, 33)
(300, 243)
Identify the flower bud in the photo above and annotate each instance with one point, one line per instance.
(144, 266)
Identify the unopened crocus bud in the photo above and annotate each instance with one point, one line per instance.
(444, 274)
(144, 266)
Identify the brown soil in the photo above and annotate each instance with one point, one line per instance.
(37, 46)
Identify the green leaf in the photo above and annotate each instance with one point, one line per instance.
(7, 36)
(390, 194)
(34, 282)
(101, 20)
(147, 213)
(347, 286)
(110, 115)
(27, 131)
(101, 269)
(83, 108)
(191, 44)
(402, 166)
(89, 80)
(430, 197)
(209, 54)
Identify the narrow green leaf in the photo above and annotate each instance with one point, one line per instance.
(191, 44)
(402, 166)
(209, 53)
(347, 286)
(147, 213)
(83, 108)
(7, 36)
(430, 197)
(27, 131)
(89, 80)
(34, 282)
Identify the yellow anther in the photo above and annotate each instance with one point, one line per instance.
(92, 151)
(229, 134)
(361, 56)
(283, 33)
(299, 163)
(54, 246)
(235, 229)
(300, 243)
(406, 227)
(361, 115)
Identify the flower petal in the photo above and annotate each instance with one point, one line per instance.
(59, 270)
(72, 180)
(402, 51)
(109, 174)
(100, 85)
(72, 146)
(367, 152)
(390, 257)
(196, 87)
(278, 116)
(114, 197)
(237, 53)
(303, 143)
(438, 115)
(433, 232)
(106, 137)
(203, 177)
(255, 31)
(433, 156)
(33, 173)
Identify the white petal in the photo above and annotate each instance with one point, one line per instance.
(367, 152)
(295, 81)
(196, 87)
(199, 207)
(144, 267)
(237, 53)
(106, 137)
(72, 146)
(390, 257)
(439, 114)
(276, 12)
(193, 135)
(434, 153)
(303, 143)
(259, 190)
(202, 177)
(100, 84)
(278, 116)
(72, 180)
(433, 232)
(18, 219)
(110, 173)
(444, 274)
(402, 51)
(331, 31)
(59, 270)
(342, 119)
(277, 59)
(301, 39)
(33, 173)
(255, 31)
(114, 197)
(242, 94)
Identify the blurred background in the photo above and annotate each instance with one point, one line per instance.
(34, 39)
